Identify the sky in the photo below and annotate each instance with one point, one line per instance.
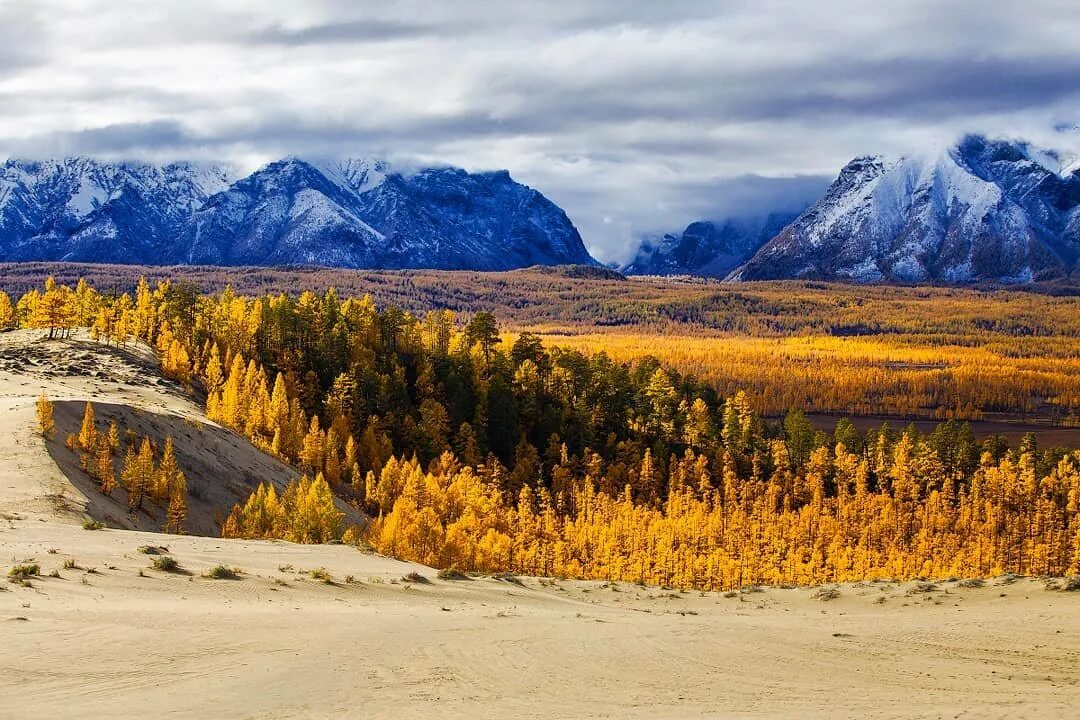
(636, 116)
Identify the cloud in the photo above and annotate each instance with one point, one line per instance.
(22, 37)
(636, 117)
(355, 31)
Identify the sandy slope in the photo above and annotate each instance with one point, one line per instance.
(116, 644)
(124, 385)
(123, 640)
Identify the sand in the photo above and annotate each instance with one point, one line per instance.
(112, 637)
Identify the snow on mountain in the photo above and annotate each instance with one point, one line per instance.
(84, 209)
(980, 210)
(348, 213)
(707, 248)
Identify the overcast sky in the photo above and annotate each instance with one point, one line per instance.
(635, 116)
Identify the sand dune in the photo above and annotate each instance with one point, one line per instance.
(112, 637)
(278, 643)
(125, 386)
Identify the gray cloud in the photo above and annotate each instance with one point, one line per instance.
(22, 37)
(637, 117)
(354, 31)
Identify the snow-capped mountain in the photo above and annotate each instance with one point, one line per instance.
(708, 248)
(82, 209)
(979, 210)
(347, 213)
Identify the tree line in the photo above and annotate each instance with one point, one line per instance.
(472, 450)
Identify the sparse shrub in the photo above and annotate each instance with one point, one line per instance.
(731, 594)
(1071, 584)
(321, 574)
(70, 564)
(923, 587)
(52, 551)
(166, 563)
(54, 574)
(415, 577)
(153, 549)
(826, 593)
(511, 578)
(22, 573)
(971, 583)
(350, 579)
(221, 572)
(452, 574)
(285, 568)
(90, 524)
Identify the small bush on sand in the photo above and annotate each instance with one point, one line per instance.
(971, 583)
(70, 564)
(415, 577)
(153, 549)
(22, 573)
(826, 593)
(221, 572)
(321, 574)
(452, 574)
(166, 563)
(1071, 584)
(923, 587)
(90, 524)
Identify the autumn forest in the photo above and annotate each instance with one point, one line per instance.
(674, 446)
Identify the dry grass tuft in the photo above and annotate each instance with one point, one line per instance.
(222, 572)
(923, 587)
(165, 563)
(826, 593)
(22, 573)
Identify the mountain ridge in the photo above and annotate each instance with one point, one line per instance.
(344, 213)
(980, 210)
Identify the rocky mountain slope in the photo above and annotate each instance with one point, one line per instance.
(351, 213)
(707, 248)
(979, 210)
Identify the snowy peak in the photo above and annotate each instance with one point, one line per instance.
(79, 208)
(348, 213)
(979, 210)
(709, 248)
